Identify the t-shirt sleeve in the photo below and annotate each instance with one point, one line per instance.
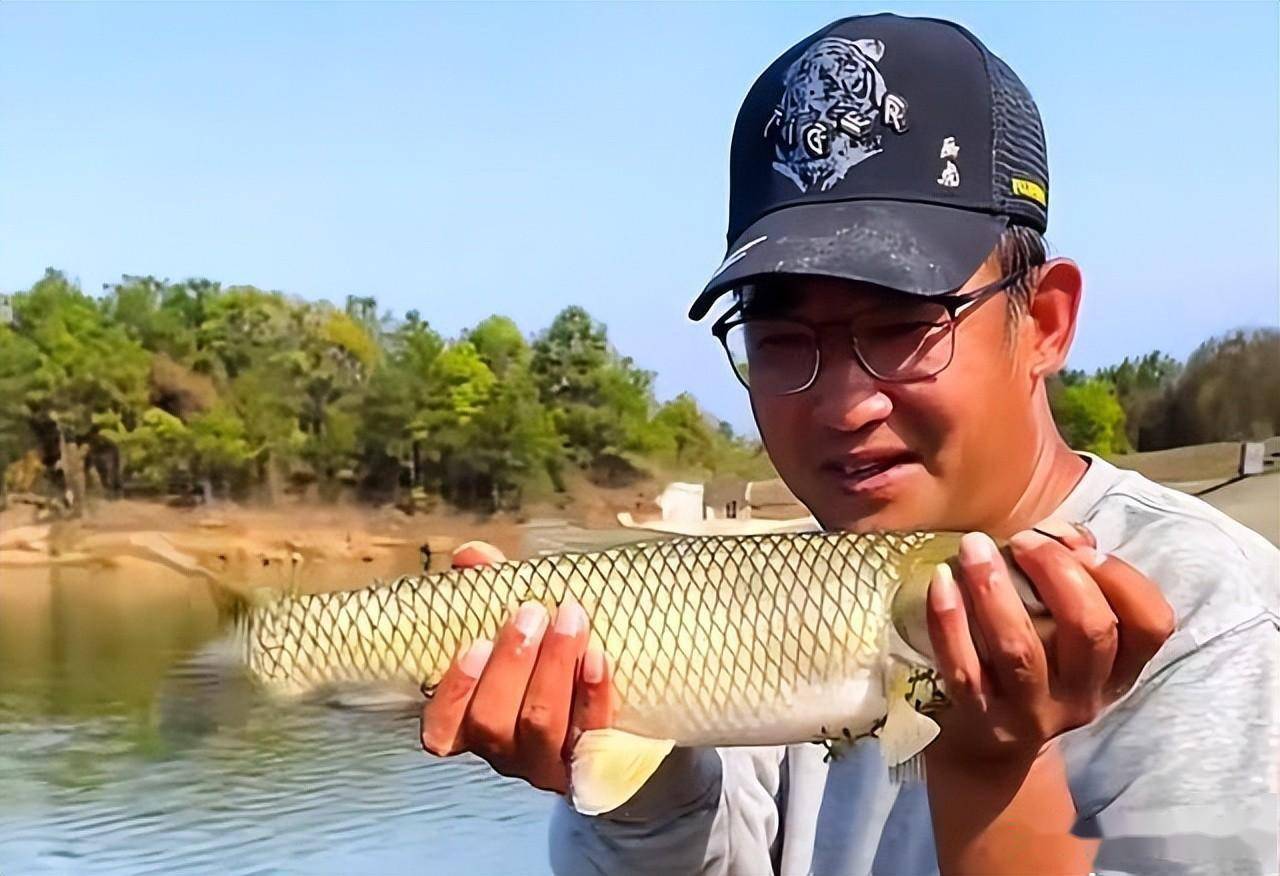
(705, 811)
(1181, 776)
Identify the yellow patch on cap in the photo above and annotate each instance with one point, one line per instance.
(1025, 188)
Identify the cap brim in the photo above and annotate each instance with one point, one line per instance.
(921, 249)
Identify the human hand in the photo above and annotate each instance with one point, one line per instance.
(521, 701)
(1013, 689)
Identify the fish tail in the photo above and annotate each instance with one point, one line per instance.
(213, 687)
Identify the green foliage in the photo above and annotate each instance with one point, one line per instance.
(156, 451)
(1229, 390)
(682, 433)
(220, 449)
(600, 402)
(19, 359)
(501, 346)
(84, 363)
(189, 385)
(1140, 385)
(1090, 417)
(162, 317)
(240, 329)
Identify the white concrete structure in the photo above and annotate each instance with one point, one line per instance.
(681, 502)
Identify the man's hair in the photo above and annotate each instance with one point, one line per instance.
(1020, 249)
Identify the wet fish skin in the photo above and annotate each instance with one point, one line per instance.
(725, 640)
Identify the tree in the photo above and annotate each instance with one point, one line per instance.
(154, 452)
(1141, 383)
(156, 314)
(19, 359)
(600, 402)
(1090, 417)
(1229, 391)
(333, 357)
(241, 328)
(515, 448)
(398, 390)
(221, 453)
(684, 434)
(86, 365)
(267, 404)
(500, 345)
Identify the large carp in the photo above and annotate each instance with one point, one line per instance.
(725, 640)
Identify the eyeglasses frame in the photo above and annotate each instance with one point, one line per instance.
(955, 304)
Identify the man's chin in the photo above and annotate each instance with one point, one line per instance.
(883, 516)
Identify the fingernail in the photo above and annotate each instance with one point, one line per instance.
(472, 663)
(593, 665)
(942, 588)
(977, 548)
(531, 620)
(570, 618)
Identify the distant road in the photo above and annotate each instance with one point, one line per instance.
(1254, 501)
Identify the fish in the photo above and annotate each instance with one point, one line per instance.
(765, 639)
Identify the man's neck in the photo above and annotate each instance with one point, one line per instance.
(1055, 471)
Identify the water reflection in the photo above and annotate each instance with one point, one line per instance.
(89, 782)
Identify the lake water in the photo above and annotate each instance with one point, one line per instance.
(108, 766)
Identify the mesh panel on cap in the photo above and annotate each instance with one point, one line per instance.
(1018, 150)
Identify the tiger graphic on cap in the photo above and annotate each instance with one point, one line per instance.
(834, 110)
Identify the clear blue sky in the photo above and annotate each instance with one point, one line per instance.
(471, 159)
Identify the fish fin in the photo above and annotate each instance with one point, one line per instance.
(905, 732)
(902, 650)
(910, 770)
(609, 766)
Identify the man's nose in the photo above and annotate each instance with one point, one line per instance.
(847, 397)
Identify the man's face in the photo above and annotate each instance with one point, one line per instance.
(949, 452)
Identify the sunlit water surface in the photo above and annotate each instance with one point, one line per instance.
(93, 780)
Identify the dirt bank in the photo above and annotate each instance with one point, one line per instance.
(272, 546)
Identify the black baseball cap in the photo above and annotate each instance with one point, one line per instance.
(882, 149)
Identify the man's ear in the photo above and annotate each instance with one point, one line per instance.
(1052, 314)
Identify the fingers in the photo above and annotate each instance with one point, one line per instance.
(953, 648)
(543, 725)
(511, 702)
(490, 726)
(476, 553)
(1015, 654)
(443, 714)
(1085, 629)
(1145, 619)
(593, 703)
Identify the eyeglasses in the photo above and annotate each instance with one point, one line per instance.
(897, 343)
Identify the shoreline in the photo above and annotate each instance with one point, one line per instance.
(318, 545)
(254, 546)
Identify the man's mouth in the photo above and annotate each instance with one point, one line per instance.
(862, 475)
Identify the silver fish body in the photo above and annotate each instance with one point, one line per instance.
(738, 640)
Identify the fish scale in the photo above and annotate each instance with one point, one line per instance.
(712, 640)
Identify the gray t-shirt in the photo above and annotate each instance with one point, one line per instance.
(1179, 777)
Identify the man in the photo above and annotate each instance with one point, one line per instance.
(894, 319)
